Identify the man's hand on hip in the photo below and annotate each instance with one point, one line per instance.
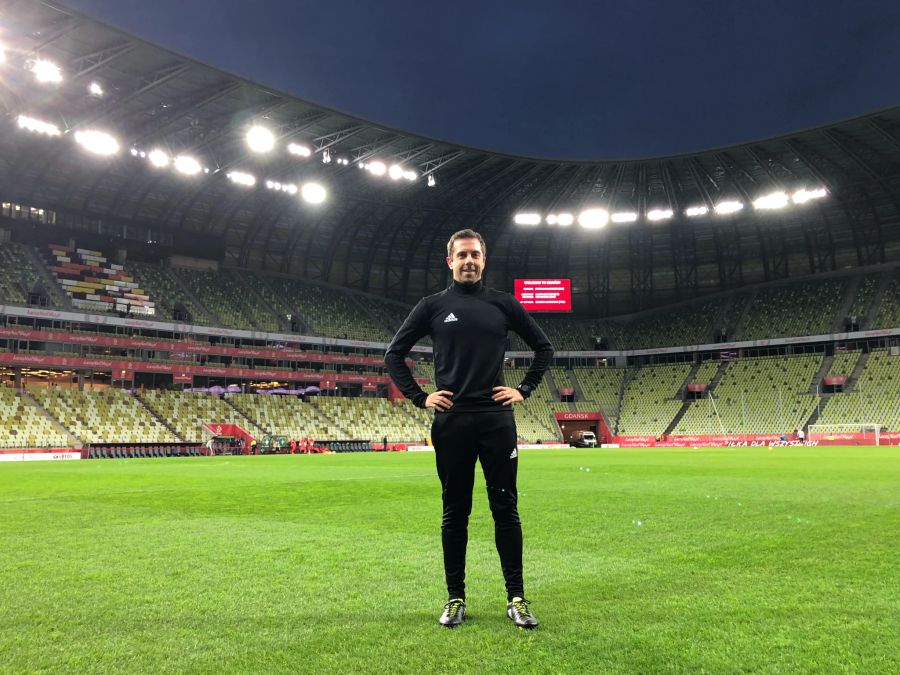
(439, 400)
(508, 395)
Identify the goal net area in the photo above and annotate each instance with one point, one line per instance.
(862, 434)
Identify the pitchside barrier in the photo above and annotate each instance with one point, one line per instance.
(722, 440)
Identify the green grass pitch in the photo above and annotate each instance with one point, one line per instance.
(677, 560)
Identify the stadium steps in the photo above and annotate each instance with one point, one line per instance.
(857, 371)
(50, 283)
(629, 375)
(745, 312)
(210, 316)
(814, 417)
(328, 418)
(373, 317)
(159, 418)
(682, 390)
(579, 392)
(296, 317)
(815, 386)
(76, 442)
(552, 384)
(261, 301)
(675, 420)
(718, 376)
(719, 320)
(240, 411)
(883, 284)
(843, 312)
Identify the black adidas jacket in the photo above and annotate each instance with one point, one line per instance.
(469, 325)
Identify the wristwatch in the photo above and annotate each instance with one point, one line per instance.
(525, 390)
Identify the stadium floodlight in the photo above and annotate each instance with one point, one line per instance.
(593, 219)
(565, 219)
(659, 214)
(46, 71)
(775, 200)
(395, 172)
(95, 89)
(410, 175)
(376, 168)
(527, 219)
(550, 219)
(624, 217)
(313, 193)
(729, 206)
(241, 178)
(431, 181)
(159, 158)
(695, 211)
(97, 142)
(187, 165)
(260, 139)
(299, 150)
(37, 126)
(802, 196)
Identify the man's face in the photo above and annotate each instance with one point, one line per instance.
(467, 261)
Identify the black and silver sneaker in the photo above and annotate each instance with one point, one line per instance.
(454, 613)
(518, 611)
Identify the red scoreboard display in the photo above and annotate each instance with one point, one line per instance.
(544, 295)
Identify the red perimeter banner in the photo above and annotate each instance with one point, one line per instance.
(544, 295)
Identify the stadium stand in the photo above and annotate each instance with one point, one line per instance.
(888, 315)
(226, 297)
(96, 284)
(26, 426)
(875, 397)
(649, 402)
(601, 388)
(862, 299)
(844, 363)
(188, 412)
(706, 372)
(762, 395)
(807, 308)
(168, 293)
(327, 311)
(102, 416)
(534, 421)
(19, 275)
(687, 325)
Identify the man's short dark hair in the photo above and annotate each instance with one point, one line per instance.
(466, 234)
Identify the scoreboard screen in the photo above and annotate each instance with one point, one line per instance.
(544, 295)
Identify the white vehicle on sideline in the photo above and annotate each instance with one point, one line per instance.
(583, 439)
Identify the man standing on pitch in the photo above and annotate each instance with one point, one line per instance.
(468, 324)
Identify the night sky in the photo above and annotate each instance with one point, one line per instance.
(572, 80)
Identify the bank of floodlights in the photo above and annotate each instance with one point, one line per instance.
(313, 193)
(44, 71)
(187, 165)
(241, 178)
(37, 126)
(624, 217)
(659, 214)
(727, 207)
(97, 142)
(695, 211)
(159, 158)
(260, 139)
(95, 89)
(299, 150)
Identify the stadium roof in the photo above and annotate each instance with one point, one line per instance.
(386, 236)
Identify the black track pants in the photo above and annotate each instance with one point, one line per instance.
(490, 437)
